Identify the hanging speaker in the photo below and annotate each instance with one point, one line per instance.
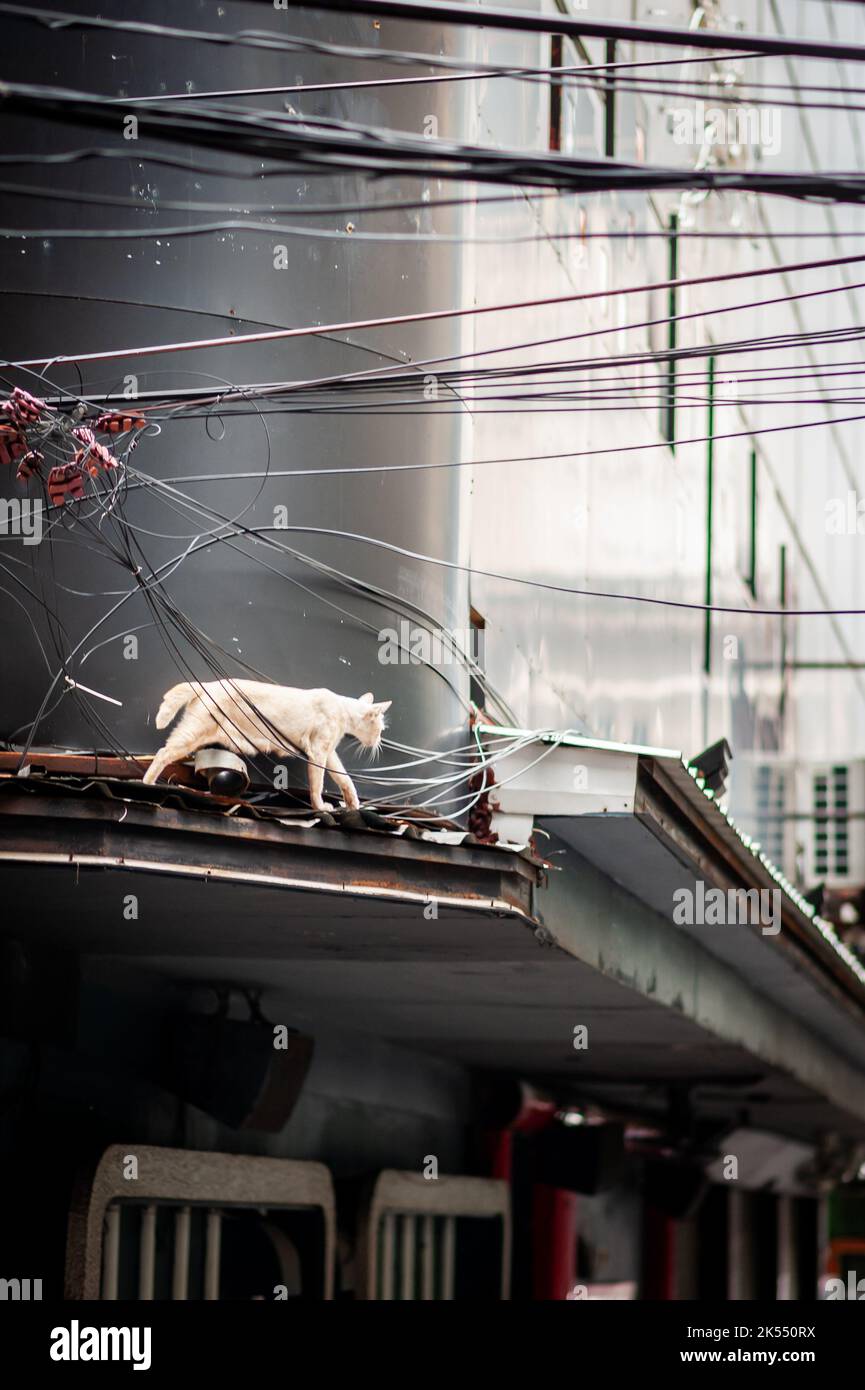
(579, 1158)
(246, 1073)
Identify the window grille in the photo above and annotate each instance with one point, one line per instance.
(440, 1238)
(155, 1223)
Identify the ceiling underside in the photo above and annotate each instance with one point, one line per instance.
(625, 849)
(477, 988)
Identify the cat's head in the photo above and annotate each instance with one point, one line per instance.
(370, 723)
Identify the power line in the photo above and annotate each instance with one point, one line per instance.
(530, 22)
(593, 385)
(433, 315)
(325, 146)
(574, 78)
(385, 374)
(273, 41)
(618, 449)
(543, 584)
(515, 200)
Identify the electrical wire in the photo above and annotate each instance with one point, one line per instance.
(582, 26)
(631, 234)
(327, 146)
(471, 311)
(267, 39)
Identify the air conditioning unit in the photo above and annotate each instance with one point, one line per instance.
(832, 798)
(809, 817)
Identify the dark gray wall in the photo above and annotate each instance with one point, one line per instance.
(62, 296)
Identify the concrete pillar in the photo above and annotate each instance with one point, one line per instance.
(740, 1262)
(554, 1225)
(659, 1255)
(686, 1265)
(787, 1286)
(822, 1245)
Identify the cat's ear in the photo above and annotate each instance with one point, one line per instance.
(384, 705)
(366, 699)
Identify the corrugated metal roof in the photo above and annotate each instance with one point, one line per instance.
(277, 809)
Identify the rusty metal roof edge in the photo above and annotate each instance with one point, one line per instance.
(701, 798)
(499, 906)
(200, 820)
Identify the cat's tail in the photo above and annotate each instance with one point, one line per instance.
(172, 701)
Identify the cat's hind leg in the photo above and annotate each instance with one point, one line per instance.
(157, 763)
(191, 733)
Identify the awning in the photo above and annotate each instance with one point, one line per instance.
(472, 953)
(641, 816)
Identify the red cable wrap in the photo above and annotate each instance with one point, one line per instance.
(65, 484)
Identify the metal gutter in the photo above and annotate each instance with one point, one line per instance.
(303, 885)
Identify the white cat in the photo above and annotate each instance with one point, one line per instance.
(253, 717)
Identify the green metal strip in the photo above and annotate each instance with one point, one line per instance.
(710, 505)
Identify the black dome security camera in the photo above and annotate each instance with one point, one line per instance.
(225, 772)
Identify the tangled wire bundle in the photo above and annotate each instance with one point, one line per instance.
(32, 425)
